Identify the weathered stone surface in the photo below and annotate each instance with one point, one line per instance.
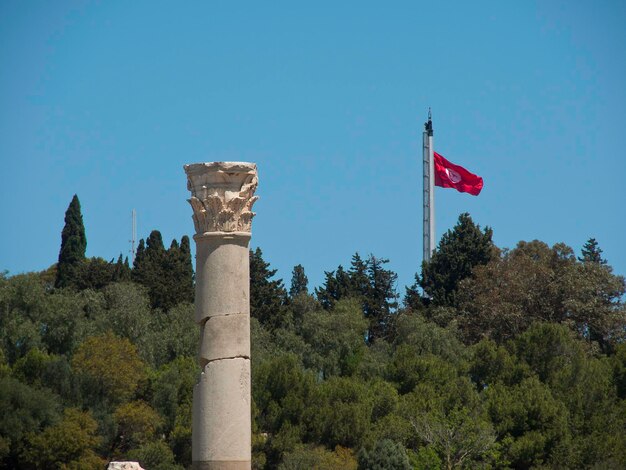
(222, 195)
(222, 426)
(124, 466)
(218, 465)
(225, 336)
(222, 275)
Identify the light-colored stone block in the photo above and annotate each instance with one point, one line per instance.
(124, 466)
(225, 336)
(222, 423)
(222, 195)
(222, 275)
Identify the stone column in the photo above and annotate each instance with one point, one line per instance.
(222, 195)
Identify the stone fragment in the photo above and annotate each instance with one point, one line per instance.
(124, 466)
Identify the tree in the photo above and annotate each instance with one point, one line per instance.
(529, 422)
(167, 274)
(386, 455)
(111, 367)
(336, 338)
(337, 286)
(534, 282)
(381, 299)
(459, 251)
(73, 244)
(413, 298)
(318, 458)
(371, 285)
(94, 273)
(121, 271)
(299, 282)
(137, 424)
(23, 409)
(591, 253)
(267, 296)
(457, 437)
(155, 455)
(68, 444)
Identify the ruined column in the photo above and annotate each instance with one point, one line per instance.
(222, 195)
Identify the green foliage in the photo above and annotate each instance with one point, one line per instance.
(23, 409)
(530, 422)
(460, 250)
(68, 444)
(318, 458)
(536, 283)
(592, 253)
(387, 455)
(372, 285)
(299, 282)
(111, 367)
(155, 456)
(73, 244)
(336, 339)
(267, 296)
(341, 412)
(137, 424)
(166, 274)
(515, 360)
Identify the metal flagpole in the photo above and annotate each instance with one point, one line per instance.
(429, 189)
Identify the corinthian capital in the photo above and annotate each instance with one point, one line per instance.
(222, 195)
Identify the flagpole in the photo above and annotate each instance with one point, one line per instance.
(429, 189)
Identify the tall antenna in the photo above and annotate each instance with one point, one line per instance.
(133, 239)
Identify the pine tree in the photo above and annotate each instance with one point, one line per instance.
(591, 253)
(412, 298)
(359, 279)
(381, 300)
(267, 296)
(337, 286)
(73, 244)
(460, 250)
(299, 282)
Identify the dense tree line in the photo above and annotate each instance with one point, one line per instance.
(496, 358)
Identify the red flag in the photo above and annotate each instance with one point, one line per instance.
(449, 175)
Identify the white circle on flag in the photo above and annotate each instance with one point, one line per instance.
(453, 175)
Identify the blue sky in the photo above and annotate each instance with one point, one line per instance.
(109, 99)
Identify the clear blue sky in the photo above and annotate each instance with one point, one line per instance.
(109, 99)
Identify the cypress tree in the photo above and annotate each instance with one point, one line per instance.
(299, 282)
(149, 267)
(186, 270)
(167, 274)
(73, 244)
(121, 271)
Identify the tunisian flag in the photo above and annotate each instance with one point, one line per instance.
(449, 175)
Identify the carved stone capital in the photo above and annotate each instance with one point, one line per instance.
(222, 195)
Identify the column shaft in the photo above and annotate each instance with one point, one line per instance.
(222, 196)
